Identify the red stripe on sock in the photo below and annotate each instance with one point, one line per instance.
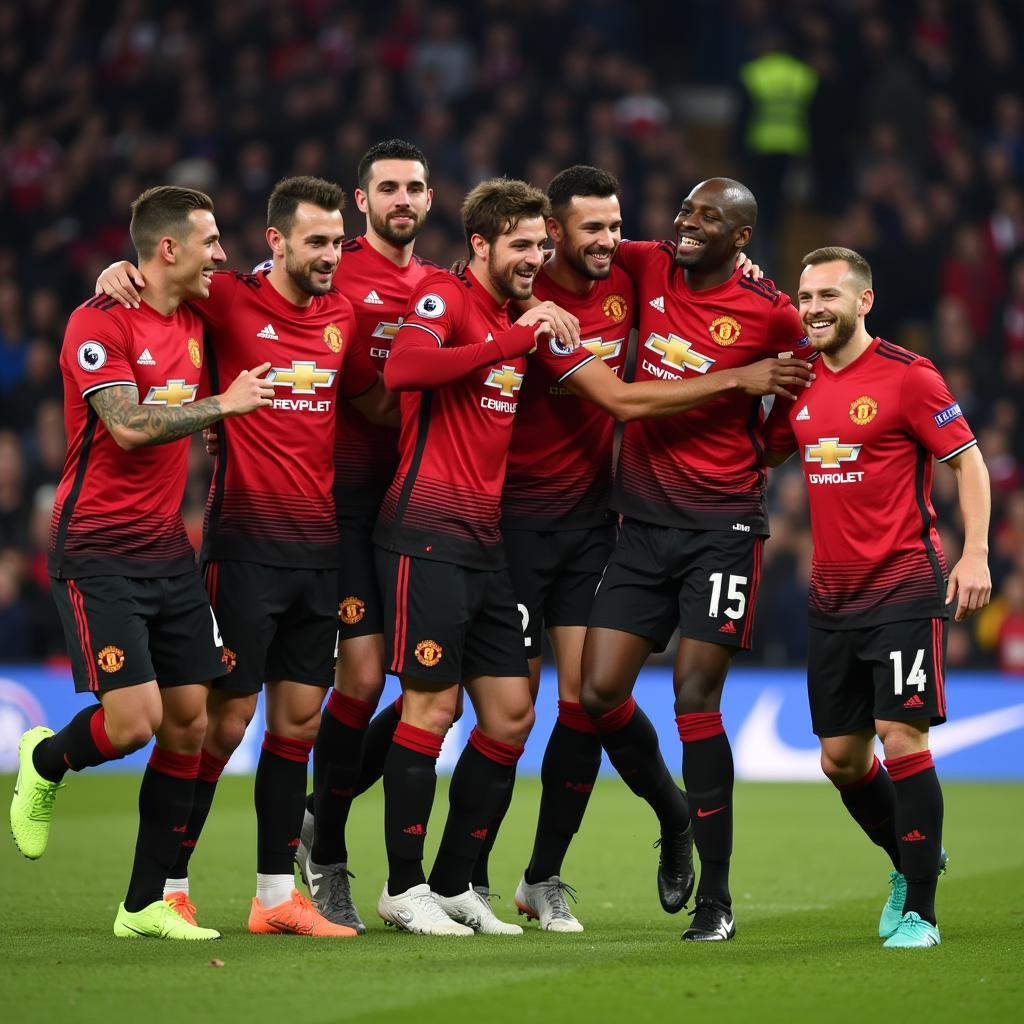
(699, 726)
(350, 711)
(494, 750)
(422, 741)
(211, 766)
(616, 719)
(289, 749)
(178, 766)
(852, 787)
(98, 731)
(900, 768)
(572, 716)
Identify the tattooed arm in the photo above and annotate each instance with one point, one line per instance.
(132, 425)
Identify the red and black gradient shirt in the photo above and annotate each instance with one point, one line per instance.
(270, 501)
(866, 436)
(117, 512)
(702, 469)
(559, 473)
(444, 502)
(366, 454)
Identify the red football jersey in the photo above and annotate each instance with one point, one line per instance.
(118, 513)
(366, 454)
(702, 469)
(270, 501)
(560, 463)
(444, 501)
(866, 436)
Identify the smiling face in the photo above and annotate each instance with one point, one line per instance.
(589, 235)
(197, 256)
(833, 304)
(312, 248)
(708, 234)
(396, 200)
(514, 258)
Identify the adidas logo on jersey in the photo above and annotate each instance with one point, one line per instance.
(803, 414)
(268, 332)
(374, 299)
(658, 303)
(146, 359)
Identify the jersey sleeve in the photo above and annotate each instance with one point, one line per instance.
(358, 373)
(216, 308)
(631, 256)
(96, 351)
(932, 414)
(558, 360)
(779, 438)
(786, 330)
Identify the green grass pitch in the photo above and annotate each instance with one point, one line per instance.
(808, 888)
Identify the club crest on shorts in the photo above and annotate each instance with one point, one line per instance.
(195, 353)
(863, 410)
(351, 610)
(725, 330)
(229, 658)
(110, 659)
(332, 337)
(428, 653)
(615, 308)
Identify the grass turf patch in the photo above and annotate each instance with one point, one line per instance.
(807, 889)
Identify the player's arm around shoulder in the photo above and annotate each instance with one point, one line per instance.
(970, 580)
(134, 425)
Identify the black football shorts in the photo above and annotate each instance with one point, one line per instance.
(278, 623)
(658, 577)
(894, 672)
(122, 631)
(448, 623)
(360, 608)
(554, 575)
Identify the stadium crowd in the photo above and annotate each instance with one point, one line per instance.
(909, 155)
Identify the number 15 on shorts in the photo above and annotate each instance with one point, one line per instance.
(735, 602)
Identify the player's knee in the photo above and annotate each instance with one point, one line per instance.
(598, 699)
(902, 739)
(362, 681)
(840, 768)
(127, 737)
(699, 693)
(224, 735)
(437, 718)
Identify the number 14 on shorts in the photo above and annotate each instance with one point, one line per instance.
(916, 678)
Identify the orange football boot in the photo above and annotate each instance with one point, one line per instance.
(296, 916)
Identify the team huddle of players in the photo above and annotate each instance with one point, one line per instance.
(414, 475)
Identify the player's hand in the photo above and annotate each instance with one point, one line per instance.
(248, 391)
(971, 580)
(552, 320)
(785, 377)
(122, 281)
(211, 440)
(747, 267)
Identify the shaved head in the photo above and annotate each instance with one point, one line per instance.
(734, 199)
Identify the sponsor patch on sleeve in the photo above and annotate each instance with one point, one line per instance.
(559, 347)
(947, 415)
(92, 356)
(431, 306)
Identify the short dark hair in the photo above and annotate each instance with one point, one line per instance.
(289, 192)
(579, 180)
(859, 267)
(392, 149)
(497, 205)
(163, 211)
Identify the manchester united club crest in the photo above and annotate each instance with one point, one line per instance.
(229, 658)
(725, 330)
(110, 659)
(863, 410)
(195, 353)
(428, 653)
(615, 308)
(332, 337)
(351, 610)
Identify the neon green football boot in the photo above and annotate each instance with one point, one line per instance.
(158, 921)
(32, 806)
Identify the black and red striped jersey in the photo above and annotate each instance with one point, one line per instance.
(444, 502)
(117, 512)
(366, 454)
(559, 473)
(866, 436)
(702, 469)
(270, 501)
